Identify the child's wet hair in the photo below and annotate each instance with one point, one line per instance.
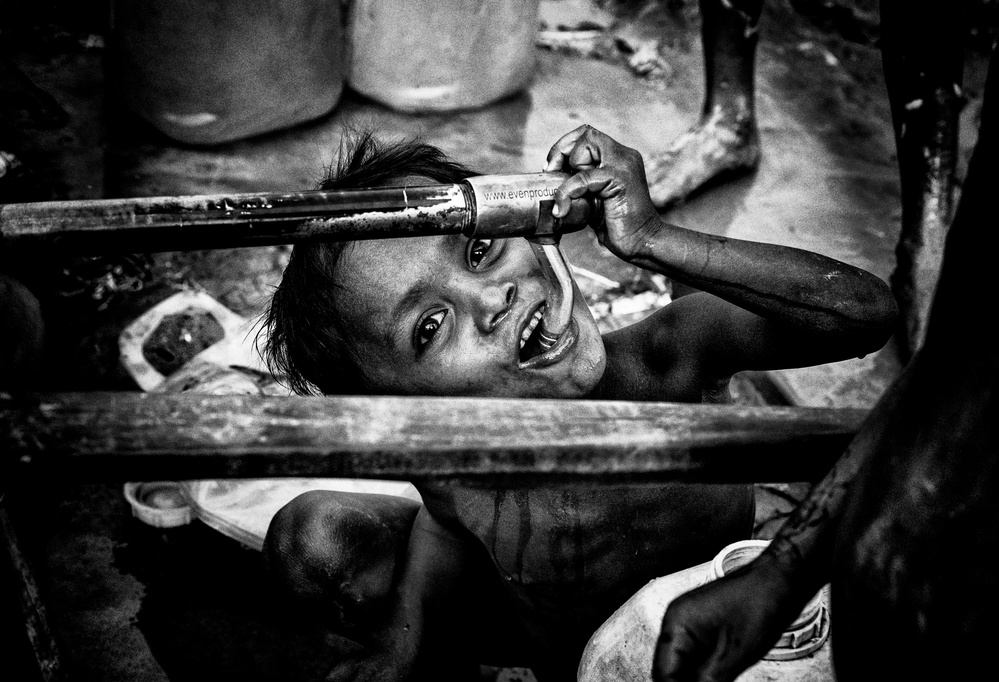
(308, 341)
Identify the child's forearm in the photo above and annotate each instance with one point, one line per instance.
(782, 283)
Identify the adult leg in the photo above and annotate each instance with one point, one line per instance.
(922, 46)
(913, 569)
(905, 521)
(726, 139)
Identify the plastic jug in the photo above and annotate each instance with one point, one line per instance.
(211, 71)
(441, 55)
(621, 650)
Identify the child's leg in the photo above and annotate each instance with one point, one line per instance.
(395, 590)
(22, 335)
(726, 139)
(340, 552)
(922, 47)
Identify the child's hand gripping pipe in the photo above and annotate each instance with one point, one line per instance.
(487, 206)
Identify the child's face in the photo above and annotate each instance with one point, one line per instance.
(446, 315)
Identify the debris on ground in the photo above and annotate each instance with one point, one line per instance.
(582, 28)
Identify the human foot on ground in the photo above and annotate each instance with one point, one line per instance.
(721, 143)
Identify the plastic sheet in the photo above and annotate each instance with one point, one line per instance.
(238, 508)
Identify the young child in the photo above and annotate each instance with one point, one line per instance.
(524, 576)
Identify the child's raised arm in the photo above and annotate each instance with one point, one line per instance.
(795, 307)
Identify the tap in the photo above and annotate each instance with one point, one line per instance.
(485, 206)
(557, 317)
(494, 206)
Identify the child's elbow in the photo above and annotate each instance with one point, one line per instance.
(878, 321)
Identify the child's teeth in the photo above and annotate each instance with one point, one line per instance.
(529, 329)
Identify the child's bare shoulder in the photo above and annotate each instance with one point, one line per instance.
(660, 357)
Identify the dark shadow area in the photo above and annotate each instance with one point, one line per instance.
(186, 601)
(208, 612)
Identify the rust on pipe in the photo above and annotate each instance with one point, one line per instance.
(103, 226)
(478, 441)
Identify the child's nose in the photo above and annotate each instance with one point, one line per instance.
(493, 303)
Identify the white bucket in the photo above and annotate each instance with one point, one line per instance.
(441, 55)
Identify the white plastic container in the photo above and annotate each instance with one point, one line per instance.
(158, 503)
(241, 509)
(621, 650)
(207, 72)
(441, 55)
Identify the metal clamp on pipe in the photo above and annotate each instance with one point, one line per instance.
(520, 206)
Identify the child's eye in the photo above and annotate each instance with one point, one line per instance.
(477, 250)
(426, 329)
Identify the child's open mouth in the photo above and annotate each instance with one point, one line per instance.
(532, 353)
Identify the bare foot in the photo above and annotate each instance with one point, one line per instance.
(720, 143)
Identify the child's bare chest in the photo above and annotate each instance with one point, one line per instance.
(588, 548)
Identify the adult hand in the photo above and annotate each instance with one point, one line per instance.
(715, 632)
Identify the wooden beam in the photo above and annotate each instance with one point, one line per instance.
(147, 436)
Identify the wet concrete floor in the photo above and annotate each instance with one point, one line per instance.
(130, 602)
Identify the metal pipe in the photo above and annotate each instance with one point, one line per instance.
(233, 220)
(488, 206)
(495, 206)
(557, 317)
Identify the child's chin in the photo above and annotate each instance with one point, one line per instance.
(589, 371)
(585, 368)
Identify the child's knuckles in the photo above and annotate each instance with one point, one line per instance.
(579, 156)
(592, 133)
(632, 157)
(563, 195)
(584, 180)
(572, 137)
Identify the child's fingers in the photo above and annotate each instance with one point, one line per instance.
(558, 155)
(575, 150)
(588, 181)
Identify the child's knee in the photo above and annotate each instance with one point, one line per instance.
(320, 542)
(294, 538)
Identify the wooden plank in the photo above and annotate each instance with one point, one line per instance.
(144, 436)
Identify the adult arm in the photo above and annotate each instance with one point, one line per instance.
(718, 630)
(715, 633)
